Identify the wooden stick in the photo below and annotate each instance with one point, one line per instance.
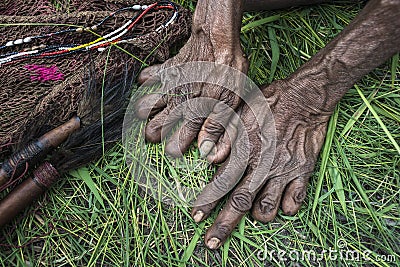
(36, 150)
(27, 192)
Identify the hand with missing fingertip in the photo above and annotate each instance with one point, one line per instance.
(265, 172)
(215, 38)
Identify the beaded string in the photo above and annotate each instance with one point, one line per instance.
(113, 38)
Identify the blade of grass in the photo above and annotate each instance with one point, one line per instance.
(259, 22)
(275, 52)
(84, 175)
(361, 192)
(337, 183)
(356, 115)
(395, 64)
(378, 119)
(325, 155)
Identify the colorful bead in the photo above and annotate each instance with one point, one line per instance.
(100, 44)
(27, 39)
(18, 41)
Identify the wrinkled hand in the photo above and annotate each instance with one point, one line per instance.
(300, 130)
(209, 42)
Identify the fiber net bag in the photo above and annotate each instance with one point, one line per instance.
(81, 58)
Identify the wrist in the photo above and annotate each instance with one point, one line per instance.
(220, 22)
(312, 93)
(303, 98)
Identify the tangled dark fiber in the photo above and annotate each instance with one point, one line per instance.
(40, 93)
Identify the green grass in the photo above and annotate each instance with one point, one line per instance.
(98, 216)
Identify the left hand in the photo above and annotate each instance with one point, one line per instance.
(215, 38)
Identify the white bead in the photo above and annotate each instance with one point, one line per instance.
(18, 41)
(10, 43)
(101, 49)
(28, 40)
(136, 7)
(144, 7)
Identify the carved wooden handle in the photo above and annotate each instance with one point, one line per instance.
(36, 150)
(27, 192)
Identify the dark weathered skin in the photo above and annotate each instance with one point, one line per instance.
(301, 105)
(208, 42)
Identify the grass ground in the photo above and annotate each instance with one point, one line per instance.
(98, 216)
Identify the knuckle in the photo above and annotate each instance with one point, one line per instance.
(268, 205)
(299, 196)
(221, 108)
(197, 108)
(223, 229)
(194, 123)
(221, 185)
(242, 200)
(229, 98)
(214, 127)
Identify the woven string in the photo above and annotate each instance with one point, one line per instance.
(39, 94)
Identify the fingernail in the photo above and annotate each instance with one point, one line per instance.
(198, 216)
(213, 243)
(212, 152)
(205, 148)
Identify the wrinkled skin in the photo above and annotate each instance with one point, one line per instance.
(300, 131)
(301, 105)
(208, 42)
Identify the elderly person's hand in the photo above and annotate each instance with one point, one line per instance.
(300, 130)
(300, 105)
(215, 38)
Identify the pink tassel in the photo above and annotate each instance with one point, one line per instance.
(44, 73)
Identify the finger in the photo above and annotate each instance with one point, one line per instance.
(181, 139)
(222, 149)
(238, 204)
(149, 105)
(223, 226)
(267, 203)
(226, 177)
(194, 111)
(148, 72)
(154, 70)
(152, 96)
(294, 195)
(214, 127)
(158, 127)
